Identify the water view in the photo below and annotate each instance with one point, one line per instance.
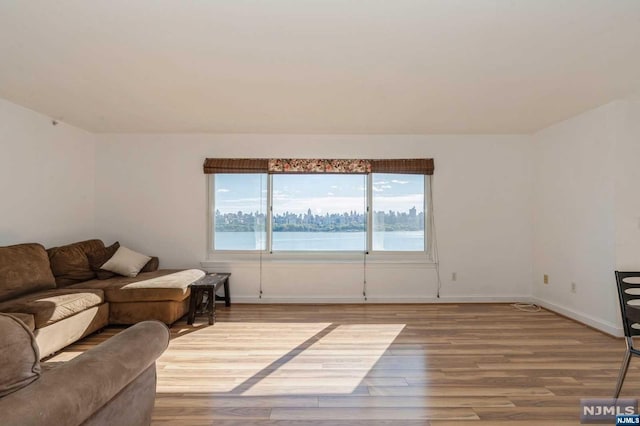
(322, 241)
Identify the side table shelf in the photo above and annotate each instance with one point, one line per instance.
(208, 285)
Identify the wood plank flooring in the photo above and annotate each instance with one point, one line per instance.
(414, 364)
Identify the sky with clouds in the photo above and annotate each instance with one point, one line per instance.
(322, 193)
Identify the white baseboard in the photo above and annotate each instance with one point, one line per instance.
(605, 326)
(378, 299)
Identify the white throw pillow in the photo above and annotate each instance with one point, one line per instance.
(126, 262)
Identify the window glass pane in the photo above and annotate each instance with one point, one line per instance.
(398, 212)
(319, 212)
(240, 202)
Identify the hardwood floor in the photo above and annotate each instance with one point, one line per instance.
(439, 365)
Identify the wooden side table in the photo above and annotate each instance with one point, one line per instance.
(208, 284)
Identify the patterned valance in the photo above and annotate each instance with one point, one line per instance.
(422, 166)
(298, 165)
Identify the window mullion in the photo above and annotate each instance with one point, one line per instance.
(369, 213)
(212, 212)
(269, 224)
(428, 217)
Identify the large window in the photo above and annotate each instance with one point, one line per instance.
(319, 212)
(398, 212)
(376, 212)
(239, 203)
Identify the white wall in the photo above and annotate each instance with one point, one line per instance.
(563, 202)
(587, 211)
(151, 195)
(627, 186)
(46, 179)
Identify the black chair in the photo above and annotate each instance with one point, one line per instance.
(629, 295)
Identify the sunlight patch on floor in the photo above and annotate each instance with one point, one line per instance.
(336, 364)
(63, 356)
(225, 356)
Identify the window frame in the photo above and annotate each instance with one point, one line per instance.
(211, 225)
(425, 255)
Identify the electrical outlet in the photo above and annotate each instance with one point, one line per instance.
(573, 287)
(454, 276)
(545, 279)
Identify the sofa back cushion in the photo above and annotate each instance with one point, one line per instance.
(100, 257)
(19, 353)
(70, 263)
(24, 268)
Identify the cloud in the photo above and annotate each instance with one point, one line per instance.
(223, 190)
(377, 187)
(246, 205)
(401, 182)
(281, 195)
(319, 205)
(398, 203)
(331, 194)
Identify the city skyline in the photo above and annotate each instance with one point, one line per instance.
(391, 220)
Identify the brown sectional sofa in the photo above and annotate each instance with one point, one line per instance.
(161, 295)
(58, 295)
(113, 383)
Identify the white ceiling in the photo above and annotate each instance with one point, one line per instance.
(318, 66)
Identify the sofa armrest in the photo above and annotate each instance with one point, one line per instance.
(70, 393)
(151, 265)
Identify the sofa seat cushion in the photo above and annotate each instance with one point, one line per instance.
(161, 285)
(50, 306)
(24, 268)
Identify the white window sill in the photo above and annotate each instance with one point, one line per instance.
(315, 258)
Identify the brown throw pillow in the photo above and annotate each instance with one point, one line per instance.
(151, 265)
(100, 257)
